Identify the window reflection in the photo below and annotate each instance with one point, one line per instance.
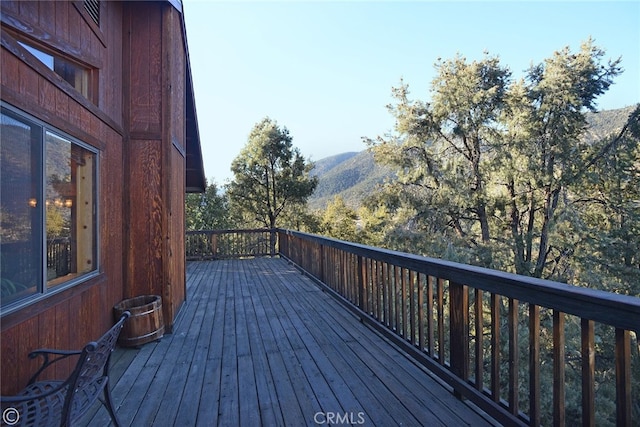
(69, 208)
(47, 208)
(20, 216)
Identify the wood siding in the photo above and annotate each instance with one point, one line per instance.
(136, 120)
(154, 107)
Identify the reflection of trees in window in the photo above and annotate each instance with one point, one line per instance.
(69, 192)
(57, 195)
(21, 220)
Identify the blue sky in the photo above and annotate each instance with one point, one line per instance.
(325, 69)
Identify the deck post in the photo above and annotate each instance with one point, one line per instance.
(459, 331)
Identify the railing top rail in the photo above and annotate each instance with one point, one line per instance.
(620, 311)
(227, 231)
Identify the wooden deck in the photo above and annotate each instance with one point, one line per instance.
(258, 343)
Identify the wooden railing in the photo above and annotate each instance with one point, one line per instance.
(524, 350)
(59, 256)
(217, 244)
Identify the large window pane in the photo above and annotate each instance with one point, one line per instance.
(48, 219)
(70, 209)
(20, 210)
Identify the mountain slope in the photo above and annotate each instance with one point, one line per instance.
(353, 176)
(349, 175)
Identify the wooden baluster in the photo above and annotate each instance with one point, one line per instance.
(421, 282)
(479, 328)
(403, 303)
(389, 297)
(534, 365)
(440, 290)
(360, 282)
(514, 354)
(588, 372)
(558, 369)
(459, 331)
(495, 347)
(412, 307)
(623, 378)
(396, 295)
(430, 328)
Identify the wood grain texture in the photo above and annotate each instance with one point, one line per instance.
(131, 91)
(260, 344)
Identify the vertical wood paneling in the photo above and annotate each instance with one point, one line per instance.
(145, 68)
(46, 95)
(80, 330)
(29, 340)
(145, 221)
(10, 68)
(46, 10)
(27, 82)
(46, 336)
(62, 105)
(62, 20)
(70, 319)
(29, 11)
(63, 326)
(11, 360)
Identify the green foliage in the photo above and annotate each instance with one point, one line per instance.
(57, 223)
(504, 174)
(607, 202)
(339, 221)
(207, 211)
(485, 170)
(270, 176)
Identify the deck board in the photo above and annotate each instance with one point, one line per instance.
(258, 343)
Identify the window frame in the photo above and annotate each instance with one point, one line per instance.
(43, 289)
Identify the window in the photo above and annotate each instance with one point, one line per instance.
(76, 75)
(47, 209)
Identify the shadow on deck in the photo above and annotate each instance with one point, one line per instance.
(258, 343)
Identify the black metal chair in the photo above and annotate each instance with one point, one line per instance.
(62, 403)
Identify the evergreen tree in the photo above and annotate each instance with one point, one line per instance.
(270, 175)
(207, 211)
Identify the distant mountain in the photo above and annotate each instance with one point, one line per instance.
(349, 175)
(604, 123)
(324, 165)
(353, 176)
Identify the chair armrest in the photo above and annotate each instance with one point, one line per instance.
(45, 352)
(39, 393)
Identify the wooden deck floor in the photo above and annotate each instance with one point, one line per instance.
(258, 343)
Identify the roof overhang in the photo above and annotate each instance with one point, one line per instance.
(195, 177)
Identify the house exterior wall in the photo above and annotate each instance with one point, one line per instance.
(136, 122)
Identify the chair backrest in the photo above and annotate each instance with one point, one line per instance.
(91, 372)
